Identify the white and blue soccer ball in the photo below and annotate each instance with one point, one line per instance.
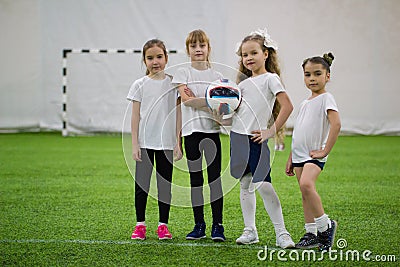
(223, 96)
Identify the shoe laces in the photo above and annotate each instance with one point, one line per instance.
(199, 227)
(324, 234)
(140, 229)
(247, 231)
(285, 237)
(307, 236)
(217, 228)
(162, 229)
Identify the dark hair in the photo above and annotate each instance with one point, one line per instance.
(150, 44)
(325, 61)
(271, 64)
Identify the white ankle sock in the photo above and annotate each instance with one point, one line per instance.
(311, 228)
(323, 223)
(141, 223)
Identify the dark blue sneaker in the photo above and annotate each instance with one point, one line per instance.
(327, 237)
(217, 232)
(199, 232)
(309, 240)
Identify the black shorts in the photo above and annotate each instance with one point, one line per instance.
(249, 157)
(316, 162)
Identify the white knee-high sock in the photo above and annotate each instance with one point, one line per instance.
(248, 201)
(272, 206)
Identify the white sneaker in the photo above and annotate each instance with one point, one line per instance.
(249, 236)
(285, 241)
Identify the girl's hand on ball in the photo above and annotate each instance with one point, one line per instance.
(217, 116)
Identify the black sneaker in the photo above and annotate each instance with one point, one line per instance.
(217, 232)
(199, 232)
(309, 240)
(327, 237)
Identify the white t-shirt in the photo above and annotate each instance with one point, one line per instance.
(311, 128)
(258, 98)
(157, 125)
(195, 120)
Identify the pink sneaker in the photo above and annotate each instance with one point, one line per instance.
(139, 232)
(163, 232)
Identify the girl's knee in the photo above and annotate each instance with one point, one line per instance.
(306, 187)
(245, 182)
(266, 188)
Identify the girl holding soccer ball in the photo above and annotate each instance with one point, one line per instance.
(154, 99)
(201, 134)
(315, 132)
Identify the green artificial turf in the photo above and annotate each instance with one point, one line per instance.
(70, 202)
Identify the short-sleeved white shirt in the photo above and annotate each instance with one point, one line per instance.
(311, 128)
(195, 120)
(157, 124)
(258, 98)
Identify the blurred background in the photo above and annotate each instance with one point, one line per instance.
(364, 36)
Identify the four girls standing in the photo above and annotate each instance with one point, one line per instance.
(260, 84)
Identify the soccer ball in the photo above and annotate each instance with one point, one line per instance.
(224, 96)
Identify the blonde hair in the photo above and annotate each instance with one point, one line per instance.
(271, 63)
(199, 36)
(149, 44)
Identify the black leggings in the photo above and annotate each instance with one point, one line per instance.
(208, 144)
(144, 169)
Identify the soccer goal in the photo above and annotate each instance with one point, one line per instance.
(95, 83)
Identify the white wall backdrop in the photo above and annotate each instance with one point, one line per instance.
(362, 34)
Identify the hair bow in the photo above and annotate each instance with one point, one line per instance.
(268, 42)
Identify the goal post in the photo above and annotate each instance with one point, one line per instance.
(93, 99)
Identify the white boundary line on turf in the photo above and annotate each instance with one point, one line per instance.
(130, 242)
